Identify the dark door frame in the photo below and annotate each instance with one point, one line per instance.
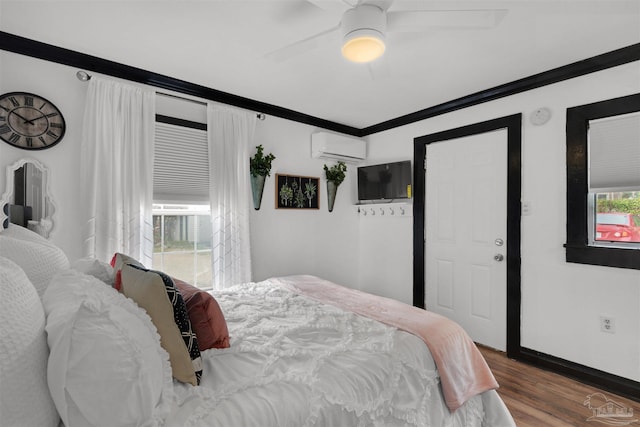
(604, 380)
(513, 124)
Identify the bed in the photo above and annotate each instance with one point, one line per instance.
(299, 351)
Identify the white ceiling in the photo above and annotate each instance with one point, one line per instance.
(221, 44)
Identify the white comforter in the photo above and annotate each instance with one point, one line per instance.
(294, 362)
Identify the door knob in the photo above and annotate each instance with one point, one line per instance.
(499, 242)
(498, 257)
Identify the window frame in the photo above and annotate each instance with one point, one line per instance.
(577, 247)
(181, 209)
(187, 207)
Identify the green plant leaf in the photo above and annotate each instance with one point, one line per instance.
(260, 164)
(336, 173)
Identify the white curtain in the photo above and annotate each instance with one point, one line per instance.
(117, 170)
(230, 134)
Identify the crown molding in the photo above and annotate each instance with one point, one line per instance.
(597, 63)
(24, 46)
(48, 52)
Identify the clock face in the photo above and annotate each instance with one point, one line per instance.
(29, 121)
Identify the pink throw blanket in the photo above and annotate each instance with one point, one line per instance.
(463, 371)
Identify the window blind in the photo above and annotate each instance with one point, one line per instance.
(181, 164)
(614, 154)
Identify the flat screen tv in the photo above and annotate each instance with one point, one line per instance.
(385, 181)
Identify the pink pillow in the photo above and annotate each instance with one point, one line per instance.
(205, 315)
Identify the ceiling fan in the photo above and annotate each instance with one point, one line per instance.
(365, 23)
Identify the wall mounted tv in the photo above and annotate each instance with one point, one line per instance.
(385, 181)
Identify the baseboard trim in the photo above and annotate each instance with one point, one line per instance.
(603, 380)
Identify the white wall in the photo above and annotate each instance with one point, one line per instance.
(290, 241)
(284, 242)
(561, 302)
(59, 85)
(361, 252)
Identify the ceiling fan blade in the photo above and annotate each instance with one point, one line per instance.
(420, 20)
(299, 47)
(294, 10)
(337, 6)
(379, 69)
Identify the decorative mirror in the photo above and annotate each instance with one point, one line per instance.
(27, 201)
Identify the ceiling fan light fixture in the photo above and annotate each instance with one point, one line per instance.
(363, 33)
(363, 46)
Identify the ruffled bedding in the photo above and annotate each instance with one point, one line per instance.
(463, 371)
(293, 361)
(296, 362)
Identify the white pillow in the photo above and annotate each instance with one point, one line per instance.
(24, 396)
(106, 366)
(23, 233)
(96, 268)
(38, 257)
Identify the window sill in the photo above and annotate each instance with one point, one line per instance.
(613, 245)
(604, 256)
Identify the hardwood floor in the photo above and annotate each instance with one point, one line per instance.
(539, 398)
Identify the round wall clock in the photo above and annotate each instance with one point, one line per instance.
(29, 121)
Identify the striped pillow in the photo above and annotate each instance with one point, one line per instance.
(155, 292)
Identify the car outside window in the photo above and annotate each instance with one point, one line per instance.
(617, 227)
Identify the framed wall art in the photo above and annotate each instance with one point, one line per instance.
(297, 192)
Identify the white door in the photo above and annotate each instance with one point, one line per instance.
(465, 232)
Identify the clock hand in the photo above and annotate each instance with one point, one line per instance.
(25, 120)
(37, 118)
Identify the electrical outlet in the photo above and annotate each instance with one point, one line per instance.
(608, 324)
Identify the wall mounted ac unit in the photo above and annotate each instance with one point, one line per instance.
(332, 146)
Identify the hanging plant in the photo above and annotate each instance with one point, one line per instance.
(335, 175)
(260, 165)
(259, 168)
(310, 191)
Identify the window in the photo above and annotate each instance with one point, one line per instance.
(181, 162)
(614, 180)
(182, 242)
(603, 183)
(616, 219)
(182, 231)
